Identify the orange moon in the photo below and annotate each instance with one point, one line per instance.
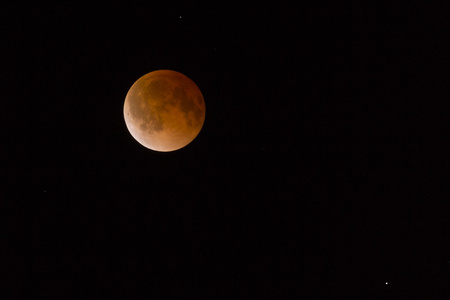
(164, 110)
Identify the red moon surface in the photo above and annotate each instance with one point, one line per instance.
(164, 110)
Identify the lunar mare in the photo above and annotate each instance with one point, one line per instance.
(164, 110)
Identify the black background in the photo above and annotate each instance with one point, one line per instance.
(321, 169)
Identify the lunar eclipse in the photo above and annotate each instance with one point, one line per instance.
(164, 110)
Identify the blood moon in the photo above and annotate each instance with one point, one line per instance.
(164, 110)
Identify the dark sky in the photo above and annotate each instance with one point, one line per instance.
(322, 168)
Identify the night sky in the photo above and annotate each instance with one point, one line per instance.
(321, 170)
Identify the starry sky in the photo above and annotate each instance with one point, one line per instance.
(321, 168)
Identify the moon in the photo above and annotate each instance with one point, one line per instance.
(164, 110)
